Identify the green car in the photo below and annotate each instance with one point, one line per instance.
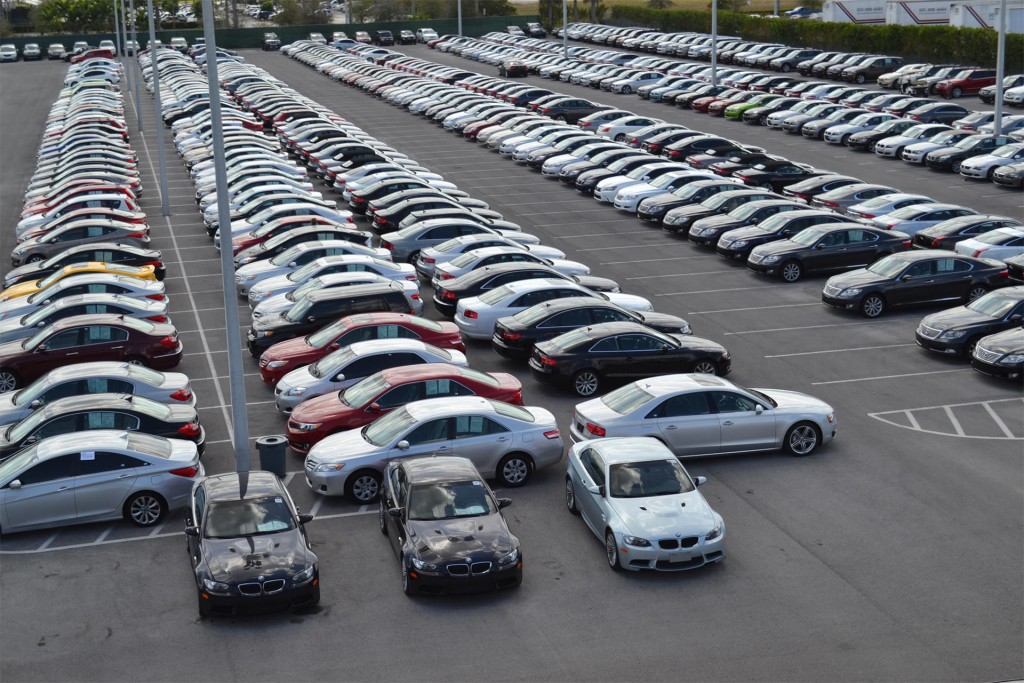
(735, 111)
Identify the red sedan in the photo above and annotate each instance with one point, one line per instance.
(379, 394)
(717, 108)
(283, 357)
(967, 82)
(702, 103)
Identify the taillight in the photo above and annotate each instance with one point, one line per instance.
(358, 200)
(447, 276)
(743, 178)
(833, 205)
(182, 395)
(155, 264)
(605, 129)
(446, 295)
(156, 297)
(867, 215)
(517, 398)
(907, 244)
(158, 318)
(186, 471)
(470, 313)
(977, 253)
(428, 259)
(137, 235)
(552, 434)
(415, 297)
(937, 241)
(1005, 273)
(411, 277)
(190, 430)
(547, 360)
(510, 336)
(169, 341)
(596, 430)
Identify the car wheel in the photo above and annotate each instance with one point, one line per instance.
(957, 93)
(135, 360)
(791, 271)
(382, 517)
(620, 137)
(570, 497)
(845, 141)
(560, 117)
(363, 486)
(786, 68)
(145, 508)
(975, 292)
(767, 186)
(8, 380)
(872, 146)
(956, 166)
(802, 439)
(990, 173)
(626, 90)
(860, 79)
(611, 550)
(413, 256)
(586, 382)
(34, 258)
(898, 154)
(705, 367)
(514, 469)
(873, 305)
(407, 585)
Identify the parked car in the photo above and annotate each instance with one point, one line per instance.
(271, 42)
(828, 247)
(406, 37)
(947, 234)
(957, 331)
(31, 52)
(998, 355)
(999, 244)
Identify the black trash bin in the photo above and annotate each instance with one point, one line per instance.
(272, 453)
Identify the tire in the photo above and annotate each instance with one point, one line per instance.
(413, 256)
(611, 551)
(956, 165)
(9, 380)
(957, 93)
(145, 509)
(991, 172)
(135, 360)
(845, 141)
(34, 258)
(860, 79)
(975, 292)
(570, 497)
(786, 68)
(626, 90)
(407, 586)
(363, 486)
(382, 520)
(872, 146)
(705, 367)
(586, 382)
(802, 439)
(791, 271)
(514, 469)
(560, 117)
(969, 346)
(899, 153)
(767, 186)
(872, 306)
(620, 137)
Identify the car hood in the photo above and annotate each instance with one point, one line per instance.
(1009, 341)
(257, 268)
(448, 539)
(943, 152)
(961, 316)
(664, 322)
(862, 277)
(748, 233)
(630, 302)
(8, 412)
(237, 560)
(343, 446)
(276, 284)
(682, 514)
(794, 400)
(985, 159)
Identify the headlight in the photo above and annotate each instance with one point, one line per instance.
(264, 333)
(277, 364)
(216, 586)
(305, 575)
(245, 278)
(295, 391)
(256, 296)
(307, 426)
(424, 566)
(636, 541)
(509, 559)
(1012, 359)
(247, 259)
(772, 258)
(700, 232)
(953, 334)
(851, 292)
(686, 329)
(714, 533)
(831, 417)
(739, 244)
(329, 467)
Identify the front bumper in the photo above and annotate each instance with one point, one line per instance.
(671, 560)
(1014, 372)
(494, 579)
(305, 595)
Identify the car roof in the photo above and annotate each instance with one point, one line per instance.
(414, 373)
(89, 401)
(439, 468)
(449, 405)
(367, 348)
(631, 449)
(98, 440)
(240, 485)
(355, 290)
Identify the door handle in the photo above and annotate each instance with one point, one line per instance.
(502, 438)
(73, 353)
(671, 427)
(63, 488)
(442, 448)
(727, 422)
(124, 476)
(117, 347)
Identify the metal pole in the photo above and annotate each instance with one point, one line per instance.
(565, 27)
(1000, 69)
(236, 371)
(714, 42)
(117, 34)
(124, 42)
(460, 16)
(165, 200)
(778, 7)
(138, 69)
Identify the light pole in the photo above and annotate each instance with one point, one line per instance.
(460, 16)
(714, 42)
(120, 42)
(236, 371)
(1000, 70)
(565, 27)
(165, 200)
(138, 69)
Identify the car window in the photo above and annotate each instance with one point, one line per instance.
(682, 405)
(64, 340)
(576, 317)
(63, 467)
(608, 315)
(639, 342)
(66, 424)
(110, 419)
(921, 269)
(606, 345)
(367, 304)
(400, 395)
(593, 465)
(951, 265)
(834, 239)
(731, 402)
(533, 298)
(102, 334)
(445, 387)
(102, 461)
(861, 236)
(364, 367)
(467, 426)
(433, 430)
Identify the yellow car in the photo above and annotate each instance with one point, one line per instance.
(33, 286)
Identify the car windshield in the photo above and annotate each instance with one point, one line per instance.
(664, 181)
(994, 304)
(384, 431)
(648, 478)
(948, 137)
(719, 200)
(626, 399)
(449, 500)
(966, 73)
(912, 211)
(969, 142)
(34, 318)
(621, 164)
(775, 222)
(464, 260)
(360, 393)
(286, 257)
(746, 211)
(687, 192)
(309, 286)
(496, 295)
(251, 517)
(18, 463)
(1006, 152)
(879, 201)
(807, 238)
(888, 267)
(297, 312)
(19, 430)
(332, 362)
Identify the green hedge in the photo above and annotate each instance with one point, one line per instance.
(253, 37)
(918, 43)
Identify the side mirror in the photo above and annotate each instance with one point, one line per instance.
(339, 377)
(598, 490)
(310, 318)
(697, 481)
(1015, 318)
(395, 513)
(192, 531)
(16, 484)
(665, 347)
(292, 264)
(402, 445)
(758, 409)
(41, 323)
(906, 278)
(31, 439)
(335, 346)
(36, 403)
(374, 408)
(305, 519)
(819, 246)
(504, 502)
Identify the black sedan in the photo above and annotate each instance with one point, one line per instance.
(587, 180)
(570, 109)
(1001, 354)
(406, 37)
(103, 411)
(950, 158)
(956, 331)
(248, 546)
(515, 336)
(653, 209)
(914, 277)
(588, 358)
(737, 161)
(806, 190)
(681, 218)
(825, 248)
(446, 528)
(104, 252)
(706, 231)
(948, 233)
(282, 242)
(483, 279)
(737, 244)
(774, 177)
(866, 139)
(937, 112)
(510, 68)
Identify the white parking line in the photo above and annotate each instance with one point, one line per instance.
(651, 277)
(46, 544)
(912, 423)
(908, 374)
(911, 419)
(803, 327)
(952, 418)
(857, 348)
(649, 260)
(753, 308)
(592, 234)
(999, 421)
(728, 289)
(202, 260)
(629, 246)
(248, 403)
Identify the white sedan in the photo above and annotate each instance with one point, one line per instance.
(999, 244)
(629, 199)
(279, 303)
(479, 258)
(476, 316)
(983, 166)
(916, 152)
(329, 265)
(629, 85)
(300, 255)
(606, 189)
(893, 145)
(643, 504)
(429, 258)
(620, 128)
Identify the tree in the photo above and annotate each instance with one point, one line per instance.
(659, 4)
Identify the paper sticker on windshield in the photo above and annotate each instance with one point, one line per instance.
(278, 500)
(88, 455)
(476, 483)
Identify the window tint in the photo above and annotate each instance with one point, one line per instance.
(66, 424)
(467, 426)
(577, 317)
(367, 304)
(199, 507)
(606, 345)
(62, 467)
(64, 390)
(364, 367)
(730, 402)
(110, 419)
(922, 269)
(861, 236)
(434, 430)
(102, 461)
(64, 340)
(608, 315)
(401, 395)
(593, 464)
(638, 342)
(102, 334)
(533, 298)
(695, 403)
(950, 265)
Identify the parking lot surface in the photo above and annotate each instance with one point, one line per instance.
(894, 553)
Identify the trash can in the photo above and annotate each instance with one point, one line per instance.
(272, 453)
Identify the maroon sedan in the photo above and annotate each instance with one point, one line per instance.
(379, 394)
(84, 338)
(702, 103)
(283, 357)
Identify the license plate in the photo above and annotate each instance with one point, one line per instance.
(579, 427)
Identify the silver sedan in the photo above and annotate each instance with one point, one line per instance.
(503, 441)
(701, 415)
